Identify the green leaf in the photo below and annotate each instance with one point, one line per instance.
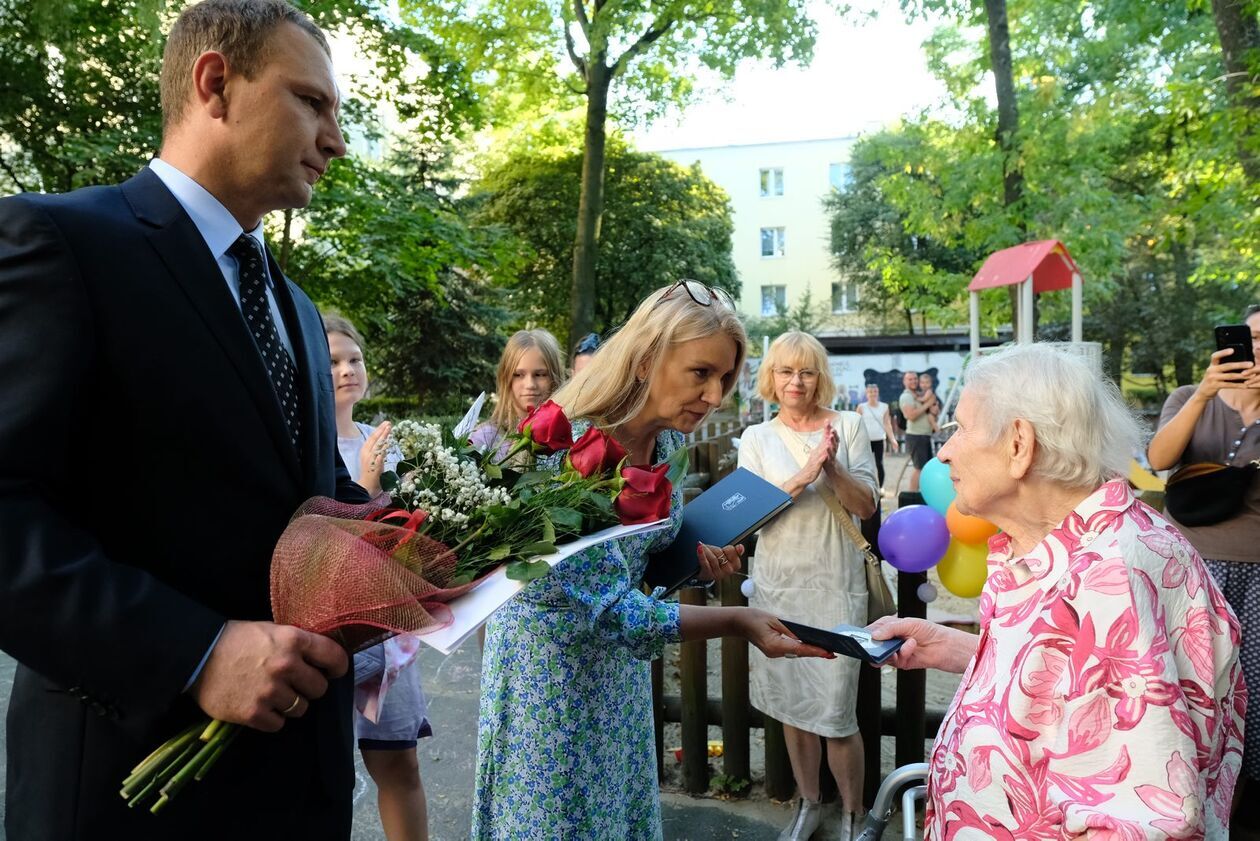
(539, 547)
(549, 530)
(527, 570)
(492, 471)
(601, 502)
(534, 477)
(678, 464)
(461, 579)
(500, 552)
(389, 481)
(566, 517)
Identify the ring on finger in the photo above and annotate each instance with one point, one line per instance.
(297, 699)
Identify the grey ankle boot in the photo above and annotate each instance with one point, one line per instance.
(804, 821)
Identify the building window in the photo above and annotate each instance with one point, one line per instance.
(840, 175)
(773, 300)
(772, 242)
(844, 296)
(772, 182)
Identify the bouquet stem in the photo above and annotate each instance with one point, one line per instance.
(186, 757)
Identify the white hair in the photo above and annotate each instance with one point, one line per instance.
(1085, 433)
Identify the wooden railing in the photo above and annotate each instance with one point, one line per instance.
(712, 458)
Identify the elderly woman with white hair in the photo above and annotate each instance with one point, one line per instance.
(1103, 696)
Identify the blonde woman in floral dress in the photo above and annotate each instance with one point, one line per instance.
(565, 745)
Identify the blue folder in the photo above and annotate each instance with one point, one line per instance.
(725, 514)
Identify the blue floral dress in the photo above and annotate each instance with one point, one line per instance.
(565, 746)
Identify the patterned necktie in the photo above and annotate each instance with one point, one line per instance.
(257, 312)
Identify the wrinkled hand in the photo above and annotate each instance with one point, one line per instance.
(927, 645)
(1225, 374)
(773, 638)
(257, 669)
(717, 563)
(372, 458)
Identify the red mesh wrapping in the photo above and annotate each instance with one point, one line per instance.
(359, 581)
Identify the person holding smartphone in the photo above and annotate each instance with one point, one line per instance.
(1218, 421)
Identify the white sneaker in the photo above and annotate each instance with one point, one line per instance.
(804, 821)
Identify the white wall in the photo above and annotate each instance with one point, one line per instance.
(806, 175)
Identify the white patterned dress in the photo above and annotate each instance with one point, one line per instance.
(565, 746)
(807, 571)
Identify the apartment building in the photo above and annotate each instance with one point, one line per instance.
(782, 234)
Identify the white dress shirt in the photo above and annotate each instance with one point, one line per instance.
(219, 228)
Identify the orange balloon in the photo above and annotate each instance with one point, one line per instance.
(967, 529)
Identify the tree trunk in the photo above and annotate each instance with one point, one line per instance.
(909, 322)
(590, 205)
(1008, 123)
(1240, 40)
(286, 241)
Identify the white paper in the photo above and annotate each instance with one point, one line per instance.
(472, 609)
(469, 422)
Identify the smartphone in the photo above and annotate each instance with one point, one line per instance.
(1237, 337)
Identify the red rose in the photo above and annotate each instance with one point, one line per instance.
(646, 495)
(594, 453)
(548, 428)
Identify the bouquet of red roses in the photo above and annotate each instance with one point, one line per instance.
(363, 573)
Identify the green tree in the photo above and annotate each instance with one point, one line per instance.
(899, 273)
(382, 245)
(650, 50)
(664, 222)
(79, 104)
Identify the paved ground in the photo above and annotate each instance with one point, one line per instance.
(447, 761)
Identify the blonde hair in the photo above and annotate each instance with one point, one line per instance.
(801, 350)
(240, 29)
(609, 391)
(505, 415)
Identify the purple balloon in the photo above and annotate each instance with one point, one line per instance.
(914, 538)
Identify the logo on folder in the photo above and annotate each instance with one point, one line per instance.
(733, 501)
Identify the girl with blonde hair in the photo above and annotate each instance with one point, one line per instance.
(565, 739)
(530, 369)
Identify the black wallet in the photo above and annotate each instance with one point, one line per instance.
(849, 640)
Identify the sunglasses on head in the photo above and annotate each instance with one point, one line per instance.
(700, 293)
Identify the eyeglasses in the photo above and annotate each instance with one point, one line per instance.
(589, 344)
(700, 293)
(807, 375)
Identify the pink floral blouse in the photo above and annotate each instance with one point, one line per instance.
(1105, 699)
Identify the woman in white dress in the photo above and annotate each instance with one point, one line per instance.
(806, 569)
(388, 746)
(878, 422)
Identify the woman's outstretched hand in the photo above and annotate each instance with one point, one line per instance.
(773, 638)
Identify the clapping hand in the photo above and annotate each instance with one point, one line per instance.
(372, 458)
(822, 457)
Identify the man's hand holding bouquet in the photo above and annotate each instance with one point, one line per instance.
(360, 574)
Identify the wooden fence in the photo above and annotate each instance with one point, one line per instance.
(712, 458)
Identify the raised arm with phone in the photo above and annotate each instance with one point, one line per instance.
(1211, 432)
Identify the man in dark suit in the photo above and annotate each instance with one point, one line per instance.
(165, 405)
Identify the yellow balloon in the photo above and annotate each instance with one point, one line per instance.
(964, 568)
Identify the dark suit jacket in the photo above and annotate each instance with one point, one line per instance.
(145, 475)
